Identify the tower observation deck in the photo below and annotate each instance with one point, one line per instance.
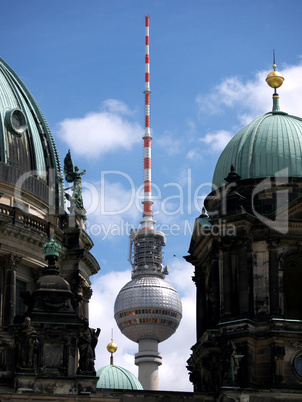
(147, 309)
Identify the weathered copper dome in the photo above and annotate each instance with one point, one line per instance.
(29, 159)
(268, 145)
(115, 377)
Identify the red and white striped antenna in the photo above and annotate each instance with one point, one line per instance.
(147, 222)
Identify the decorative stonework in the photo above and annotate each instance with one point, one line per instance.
(10, 261)
(87, 293)
(297, 345)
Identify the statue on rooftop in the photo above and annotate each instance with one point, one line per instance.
(73, 175)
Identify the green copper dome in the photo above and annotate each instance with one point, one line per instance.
(269, 144)
(115, 377)
(28, 154)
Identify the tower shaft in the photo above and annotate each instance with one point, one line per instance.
(148, 359)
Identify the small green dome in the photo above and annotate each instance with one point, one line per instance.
(269, 144)
(115, 377)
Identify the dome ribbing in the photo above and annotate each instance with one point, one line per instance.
(115, 377)
(266, 146)
(28, 153)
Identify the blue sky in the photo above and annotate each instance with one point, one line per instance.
(83, 61)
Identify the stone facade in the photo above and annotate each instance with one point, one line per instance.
(44, 309)
(248, 279)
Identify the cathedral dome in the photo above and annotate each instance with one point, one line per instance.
(115, 377)
(148, 307)
(269, 144)
(28, 155)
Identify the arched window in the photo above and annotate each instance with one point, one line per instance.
(292, 286)
(298, 365)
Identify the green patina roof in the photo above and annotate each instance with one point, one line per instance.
(115, 377)
(204, 222)
(269, 144)
(15, 95)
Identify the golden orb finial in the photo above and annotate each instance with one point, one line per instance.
(112, 347)
(274, 79)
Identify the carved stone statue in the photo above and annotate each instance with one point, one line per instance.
(27, 339)
(87, 344)
(73, 175)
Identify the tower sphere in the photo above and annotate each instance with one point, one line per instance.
(148, 307)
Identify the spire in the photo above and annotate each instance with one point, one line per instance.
(145, 254)
(275, 80)
(147, 222)
(112, 348)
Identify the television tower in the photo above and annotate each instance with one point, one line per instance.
(147, 309)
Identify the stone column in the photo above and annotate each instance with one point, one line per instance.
(243, 279)
(215, 290)
(87, 293)
(201, 313)
(9, 263)
(278, 362)
(273, 279)
(227, 280)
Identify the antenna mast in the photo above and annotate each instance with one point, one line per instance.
(147, 222)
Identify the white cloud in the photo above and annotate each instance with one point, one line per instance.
(117, 106)
(193, 154)
(100, 132)
(254, 97)
(217, 140)
(106, 288)
(169, 142)
(251, 99)
(112, 205)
